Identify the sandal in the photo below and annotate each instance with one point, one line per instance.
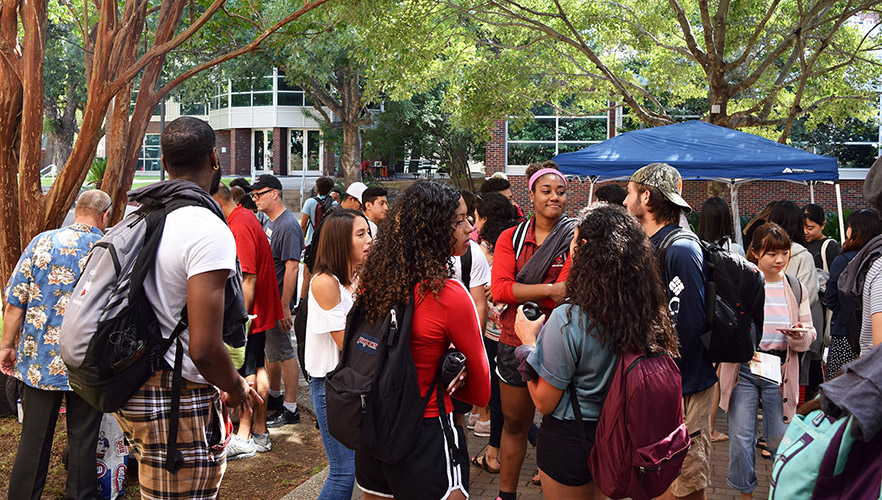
(535, 479)
(766, 454)
(761, 443)
(481, 462)
(718, 437)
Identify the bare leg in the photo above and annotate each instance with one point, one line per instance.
(274, 373)
(552, 490)
(518, 410)
(261, 384)
(290, 373)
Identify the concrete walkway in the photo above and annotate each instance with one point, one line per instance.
(485, 486)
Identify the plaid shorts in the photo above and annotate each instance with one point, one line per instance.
(201, 436)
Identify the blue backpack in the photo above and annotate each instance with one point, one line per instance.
(819, 458)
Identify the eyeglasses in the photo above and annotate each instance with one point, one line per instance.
(255, 195)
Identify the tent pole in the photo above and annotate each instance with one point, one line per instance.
(811, 191)
(839, 209)
(736, 218)
(591, 189)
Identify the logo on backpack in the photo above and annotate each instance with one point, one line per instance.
(367, 344)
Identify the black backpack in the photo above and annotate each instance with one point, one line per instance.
(734, 292)
(373, 397)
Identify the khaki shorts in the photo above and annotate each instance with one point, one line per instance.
(695, 474)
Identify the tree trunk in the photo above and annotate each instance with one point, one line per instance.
(351, 159)
(10, 236)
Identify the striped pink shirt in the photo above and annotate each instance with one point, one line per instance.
(776, 315)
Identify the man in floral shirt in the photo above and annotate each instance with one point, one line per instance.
(36, 297)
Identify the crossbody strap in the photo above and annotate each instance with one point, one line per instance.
(824, 246)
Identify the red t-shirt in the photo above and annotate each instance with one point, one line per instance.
(256, 257)
(451, 318)
(503, 275)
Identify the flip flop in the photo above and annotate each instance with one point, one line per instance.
(535, 479)
(718, 437)
(481, 462)
(766, 454)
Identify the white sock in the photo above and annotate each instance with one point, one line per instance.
(292, 407)
(275, 394)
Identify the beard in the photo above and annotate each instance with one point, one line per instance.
(215, 182)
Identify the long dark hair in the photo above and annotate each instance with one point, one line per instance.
(715, 221)
(500, 215)
(865, 225)
(788, 215)
(616, 281)
(334, 246)
(415, 248)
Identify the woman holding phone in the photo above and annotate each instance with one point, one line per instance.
(786, 331)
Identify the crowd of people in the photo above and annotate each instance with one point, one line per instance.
(608, 279)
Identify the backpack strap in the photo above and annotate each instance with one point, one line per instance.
(518, 238)
(796, 286)
(174, 459)
(824, 246)
(466, 267)
(458, 451)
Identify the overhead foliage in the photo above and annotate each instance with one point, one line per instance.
(763, 63)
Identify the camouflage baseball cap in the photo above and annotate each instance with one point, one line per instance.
(666, 179)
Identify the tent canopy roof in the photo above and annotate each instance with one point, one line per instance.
(699, 150)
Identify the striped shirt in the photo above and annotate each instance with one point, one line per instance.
(872, 303)
(776, 315)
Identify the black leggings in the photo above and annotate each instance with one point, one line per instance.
(496, 419)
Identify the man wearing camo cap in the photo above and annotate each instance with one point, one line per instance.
(655, 199)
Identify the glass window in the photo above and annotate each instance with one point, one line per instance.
(536, 130)
(263, 99)
(152, 139)
(525, 154)
(582, 129)
(569, 148)
(295, 156)
(290, 99)
(262, 83)
(241, 100)
(150, 153)
(283, 85)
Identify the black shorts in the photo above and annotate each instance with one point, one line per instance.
(507, 366)
(254, 354)
(427, 472)
(560, 452)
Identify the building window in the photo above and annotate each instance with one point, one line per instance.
(149, 157)
(547, 135)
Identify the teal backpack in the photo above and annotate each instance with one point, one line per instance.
(812, 459)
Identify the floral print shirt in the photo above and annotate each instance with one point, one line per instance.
(42, 284)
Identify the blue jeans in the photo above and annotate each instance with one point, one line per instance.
(743, 426)
(341, 478)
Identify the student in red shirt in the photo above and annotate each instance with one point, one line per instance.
(261, 300)
(411, 256)
(530, 264)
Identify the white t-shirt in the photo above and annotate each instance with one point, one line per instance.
(194, 241)
(373, 227)
(322, 354)
(480, 274)
(872, 304)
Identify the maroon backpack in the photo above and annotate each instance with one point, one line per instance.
(641, 439)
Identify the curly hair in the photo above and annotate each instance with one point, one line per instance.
(414, 247)
(616, 280)
(500, 215)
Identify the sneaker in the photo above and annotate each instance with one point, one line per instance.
(283, 417)
(473, 418)
(275, 403)
(239, 448)
(482, 428)
(261, 442)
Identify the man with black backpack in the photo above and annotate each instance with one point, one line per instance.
(316, 207)
(36, 298)
(654, 198)
(195, 257)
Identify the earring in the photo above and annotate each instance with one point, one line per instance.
(216, 166)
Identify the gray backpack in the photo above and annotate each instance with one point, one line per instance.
(110, 339)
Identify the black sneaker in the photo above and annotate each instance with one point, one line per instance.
(275, 403)
(284, 417)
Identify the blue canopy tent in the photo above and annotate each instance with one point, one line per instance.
(702, 151)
